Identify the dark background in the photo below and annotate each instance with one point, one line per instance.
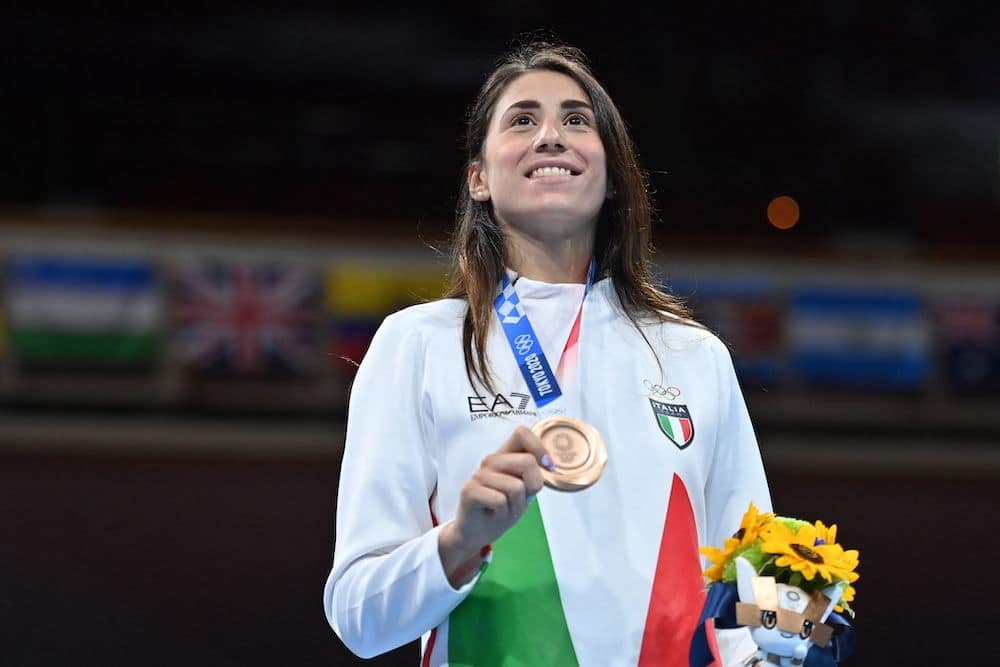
(332, 123)
(876, 118)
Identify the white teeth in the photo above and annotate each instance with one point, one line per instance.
(542, 172)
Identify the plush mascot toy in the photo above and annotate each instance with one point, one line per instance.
(775, 592)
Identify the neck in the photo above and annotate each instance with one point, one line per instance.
(552, 261)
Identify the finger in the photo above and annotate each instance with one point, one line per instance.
(533, 480)
(512, 463)
(512, 487)
(487, 498)
(523, 439)
(522, 465)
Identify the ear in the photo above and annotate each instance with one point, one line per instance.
(476, 178)
(745, 573)
(833, 592)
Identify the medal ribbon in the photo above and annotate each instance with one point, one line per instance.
(526, 347)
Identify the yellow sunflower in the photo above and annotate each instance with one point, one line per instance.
(846, 596)
(747, 533)
(751, 524)
(718, 558)
(828, 535)
(849, 558)
(801, 552)
(848, 563)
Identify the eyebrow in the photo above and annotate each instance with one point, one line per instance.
(535, 104)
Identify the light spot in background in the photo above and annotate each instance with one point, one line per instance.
(783, 212)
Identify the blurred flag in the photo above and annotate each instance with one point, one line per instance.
(859, 338)
(359, 297)
(970, 339)
(83, 312)
(246, 320)
(747, 315)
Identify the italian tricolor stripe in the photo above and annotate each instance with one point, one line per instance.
(678, 587)
(514, 616)
(676, 427)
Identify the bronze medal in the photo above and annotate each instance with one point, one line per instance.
(577, 450)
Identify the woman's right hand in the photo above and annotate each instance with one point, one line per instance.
(491, 502)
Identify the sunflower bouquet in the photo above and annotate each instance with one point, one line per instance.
(794, 552)
(780, 593)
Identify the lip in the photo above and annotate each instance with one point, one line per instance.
(575, 171)
(550, 180)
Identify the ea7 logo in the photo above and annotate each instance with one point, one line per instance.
(674, 421)
(498, 403)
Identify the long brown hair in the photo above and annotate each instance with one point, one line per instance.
(622, 244)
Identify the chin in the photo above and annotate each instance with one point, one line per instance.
(564, 214)
(560, 208)
(555, 228)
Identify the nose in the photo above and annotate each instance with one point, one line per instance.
(549, 138)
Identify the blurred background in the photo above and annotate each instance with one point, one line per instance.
(204, 215)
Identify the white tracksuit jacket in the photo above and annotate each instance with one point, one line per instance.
(417, 431)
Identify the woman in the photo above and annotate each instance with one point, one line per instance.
(444, 529)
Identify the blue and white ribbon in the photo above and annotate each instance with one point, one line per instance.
(525, 345)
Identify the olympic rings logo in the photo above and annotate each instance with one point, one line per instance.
(523, 344)
(670, 392)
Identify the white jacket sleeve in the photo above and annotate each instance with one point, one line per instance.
(737, 474)
(387, 586)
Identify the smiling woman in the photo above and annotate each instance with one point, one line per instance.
(543, 168)
(444, 529)
(620, 237)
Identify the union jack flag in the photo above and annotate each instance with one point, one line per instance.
(247, 320)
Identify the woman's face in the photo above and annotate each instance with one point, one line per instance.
(543, 164)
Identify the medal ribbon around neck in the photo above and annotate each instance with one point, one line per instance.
(526, 346)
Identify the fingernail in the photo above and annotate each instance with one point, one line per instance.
(547, 463)
(530, 499)
(485, 551)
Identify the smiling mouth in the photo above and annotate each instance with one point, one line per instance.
(546, 172)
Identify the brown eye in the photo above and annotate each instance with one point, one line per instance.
(577, 119)
(768, 619)
(521, 120)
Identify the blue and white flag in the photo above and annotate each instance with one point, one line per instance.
(862, 337)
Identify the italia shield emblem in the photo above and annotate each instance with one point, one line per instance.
(675, 422)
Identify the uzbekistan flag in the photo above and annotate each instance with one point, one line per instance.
(83, 311)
